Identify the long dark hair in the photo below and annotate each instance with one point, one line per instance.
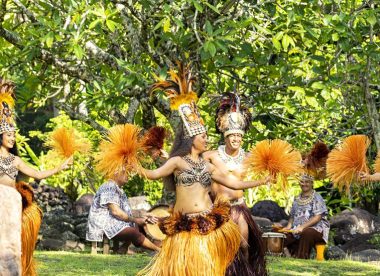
(181, 147)
(13, 150)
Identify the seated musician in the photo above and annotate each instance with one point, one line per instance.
(308, 221)
(110, 214)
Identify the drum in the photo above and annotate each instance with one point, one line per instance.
(152, 230)
(274, 243)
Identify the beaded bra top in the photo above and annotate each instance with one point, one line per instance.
(197, 174)
(7, 167)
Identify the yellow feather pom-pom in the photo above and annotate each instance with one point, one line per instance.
(65, 142)
(347, 160)
(277, 158)
(122, 149)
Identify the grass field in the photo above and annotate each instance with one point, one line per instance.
(68, 263)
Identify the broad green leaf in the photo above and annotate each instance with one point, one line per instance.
(94, 23)
(215, 9)
(198, 6)
(78, 51)
(49, 39)
(335, 36)
(372, 19)
(285, 42)
(312, 102)
(276, 44)
(166, 25)
(209, 29)
(111, 25)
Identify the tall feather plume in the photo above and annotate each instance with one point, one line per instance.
(275, 157)
(65, 142)
(377, 162)
(7, 98)
(178, 88)
(122, 149)
(230, 102)
(347, 160)
(315, 160)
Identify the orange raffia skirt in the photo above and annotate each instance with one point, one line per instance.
(31, 222)
(196, 244)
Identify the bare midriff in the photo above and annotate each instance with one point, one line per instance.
(192, 199)
(7, 181)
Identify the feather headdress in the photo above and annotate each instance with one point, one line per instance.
(275, 157)
(7, 104)
(347, 160)
(65, 142)
(231, 116)
(315, 161)
(178, 88)
(122, 149)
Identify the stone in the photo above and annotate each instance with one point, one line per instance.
(335, 253)
(351, 222)
(73, 245)
(52, 244)
(268, 209)
(264, 223)
(369, 255)
(68, 235)
(80, 231)
(359, 242)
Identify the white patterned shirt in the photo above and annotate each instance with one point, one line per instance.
(100, 220)
(303, 213)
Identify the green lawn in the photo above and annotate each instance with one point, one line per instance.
(67, 263)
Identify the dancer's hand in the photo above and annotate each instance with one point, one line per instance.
(164, 154)
(67, 164)
(151, 219)
(363, 176)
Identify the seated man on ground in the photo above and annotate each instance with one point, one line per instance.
(308, 221)
(110, 214)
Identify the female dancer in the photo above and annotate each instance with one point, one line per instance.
(10, 165)
(202, 240)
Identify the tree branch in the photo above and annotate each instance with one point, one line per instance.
(79, 116)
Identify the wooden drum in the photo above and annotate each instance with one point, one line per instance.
(152, 230)
(274, 243)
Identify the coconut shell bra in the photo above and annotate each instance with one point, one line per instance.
(197, 174)
(7, 167)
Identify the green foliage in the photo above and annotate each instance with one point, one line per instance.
(307, 67)
(375, 240)
(81, 178)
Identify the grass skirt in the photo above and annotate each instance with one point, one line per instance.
(31, 222)
(204, 244)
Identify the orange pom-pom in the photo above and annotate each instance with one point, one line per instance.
(277, 158)
(347, 160)
(377, 163)
(123, 149)
(66, 142)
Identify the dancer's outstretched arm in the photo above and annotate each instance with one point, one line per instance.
(233, 182)
(25, 169)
